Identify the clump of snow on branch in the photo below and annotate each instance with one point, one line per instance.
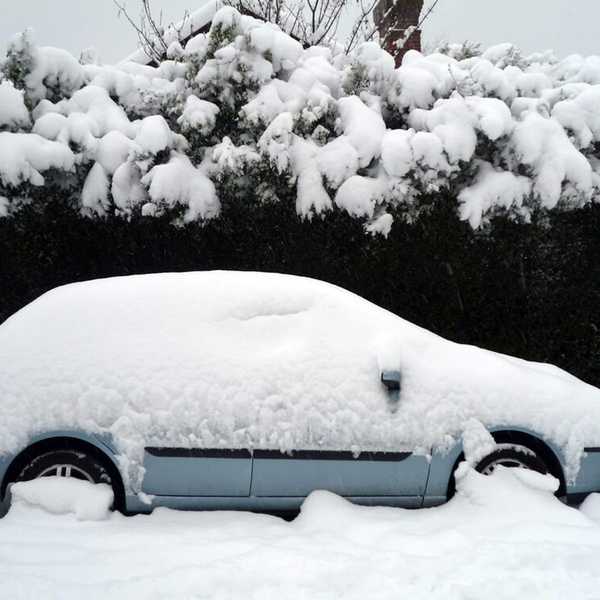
(246, 107)
(179, 182)
(13, 112)
(24, 157)
(198, 114)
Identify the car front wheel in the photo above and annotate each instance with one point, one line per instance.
(512, 455)
(66, 463)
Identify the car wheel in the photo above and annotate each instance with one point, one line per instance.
(66, 463)
(512, 455)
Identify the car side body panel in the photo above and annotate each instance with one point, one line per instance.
(588, 478)
(197, 472)
(272, 481)
(440, 472)
(257, 504)
(376, 474)
(5, 461)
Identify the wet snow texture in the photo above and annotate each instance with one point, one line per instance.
(257, 360)
(504, 538)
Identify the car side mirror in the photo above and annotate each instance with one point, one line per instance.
(392, 380)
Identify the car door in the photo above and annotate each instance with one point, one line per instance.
(197, 472)
(391, 477)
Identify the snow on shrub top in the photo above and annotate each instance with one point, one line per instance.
(255, 360)
(251, 110)
(13, 112)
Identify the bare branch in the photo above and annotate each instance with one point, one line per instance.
(360, 22)
(146, 41)
(330, 23)
(427, 14)
(314, 22)
(151, 32)
(155, 27)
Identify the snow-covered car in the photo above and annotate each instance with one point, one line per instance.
(237, 390)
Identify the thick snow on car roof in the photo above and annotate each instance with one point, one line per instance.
(257, 360)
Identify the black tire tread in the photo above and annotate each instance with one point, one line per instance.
(530, 459)
(78, 458)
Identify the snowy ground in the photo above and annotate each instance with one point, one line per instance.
(501, 537)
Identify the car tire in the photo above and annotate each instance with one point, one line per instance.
(67, 462)
(512, 455)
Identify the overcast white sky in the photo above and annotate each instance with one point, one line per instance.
(566, 26)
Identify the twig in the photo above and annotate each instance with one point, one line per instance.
(426, 15)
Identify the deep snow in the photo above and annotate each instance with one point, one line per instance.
(503, 537)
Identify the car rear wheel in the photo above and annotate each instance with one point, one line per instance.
(67, 463)
(513, 456)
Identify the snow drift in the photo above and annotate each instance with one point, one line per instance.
(257, 360)
(63, 496)
(500, 537)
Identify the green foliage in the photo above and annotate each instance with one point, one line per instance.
(462, 51)
(220, 36)
(19, 62)
(357, 79)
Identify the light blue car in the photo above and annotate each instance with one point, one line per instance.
(248, 391)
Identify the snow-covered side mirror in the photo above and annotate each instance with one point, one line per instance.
(392, 380)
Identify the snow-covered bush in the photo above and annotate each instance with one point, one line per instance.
(245, 111)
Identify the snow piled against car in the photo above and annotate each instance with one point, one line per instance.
(501, 536)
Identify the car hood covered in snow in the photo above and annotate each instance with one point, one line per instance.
(258, 360)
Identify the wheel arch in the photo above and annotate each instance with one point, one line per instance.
(526, 438)
(60, 440)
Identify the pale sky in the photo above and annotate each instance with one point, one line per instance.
(566, 26)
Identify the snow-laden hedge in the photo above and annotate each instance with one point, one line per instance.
(246, 112)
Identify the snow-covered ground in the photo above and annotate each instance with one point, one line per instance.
(501, 537)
